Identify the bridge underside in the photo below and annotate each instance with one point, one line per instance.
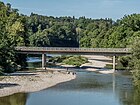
(77, 53)
(74, 51)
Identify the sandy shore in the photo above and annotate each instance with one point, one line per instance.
(30, 82)
(97, 63)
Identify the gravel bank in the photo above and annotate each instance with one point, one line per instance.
(30, 82)
(97, 63)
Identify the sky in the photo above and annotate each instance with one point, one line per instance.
(95, 9)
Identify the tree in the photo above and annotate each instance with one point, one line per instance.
(12, 33)
(136, 62)
(40, 39)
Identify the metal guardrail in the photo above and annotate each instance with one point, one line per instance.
(66, 49)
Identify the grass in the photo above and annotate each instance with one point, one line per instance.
(70, 60)
(75, 60)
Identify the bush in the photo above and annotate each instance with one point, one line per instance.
(1, 73)
(124, 60)
(75, 60)
(7, 58)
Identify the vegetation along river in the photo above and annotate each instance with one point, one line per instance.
(89, 88)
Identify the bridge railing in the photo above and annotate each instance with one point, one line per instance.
(73, 49)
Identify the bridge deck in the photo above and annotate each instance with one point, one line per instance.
(64, 50)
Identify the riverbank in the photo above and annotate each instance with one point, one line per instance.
(98, 63)
(31, 81)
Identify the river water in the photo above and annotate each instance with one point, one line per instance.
(89, 88)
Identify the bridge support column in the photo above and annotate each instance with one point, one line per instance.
(43, 60)
(114, 63)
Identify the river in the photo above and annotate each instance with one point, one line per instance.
(89, 88)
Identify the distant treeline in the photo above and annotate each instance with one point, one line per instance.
(71, 31)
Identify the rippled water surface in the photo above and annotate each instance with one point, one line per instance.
(88, 88)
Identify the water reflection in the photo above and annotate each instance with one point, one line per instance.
(16, 99)
(130, 97)
(88, 89)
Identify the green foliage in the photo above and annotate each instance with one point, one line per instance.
(75, 60)
(119, 66)
(7, 58)
(84, 32)
(58, 59)
(40, 39)
(1, 73)
(12, 33)
(107, 33)
(124, 60)
(136, 61)
(70, 60)
(49, 31)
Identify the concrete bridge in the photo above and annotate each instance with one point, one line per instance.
(74, 51)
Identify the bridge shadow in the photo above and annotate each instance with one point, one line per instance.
(3, 85)
(63, 67)
(86, 67)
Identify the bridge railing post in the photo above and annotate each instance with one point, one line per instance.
(43, 60)
(114, 63)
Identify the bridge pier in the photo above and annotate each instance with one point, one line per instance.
(114, 63)
(43, 60)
